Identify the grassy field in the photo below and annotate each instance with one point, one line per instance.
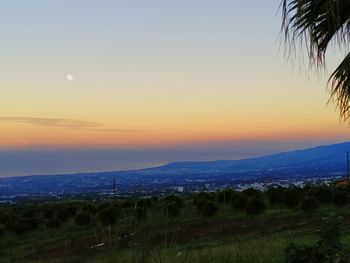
(157, 234)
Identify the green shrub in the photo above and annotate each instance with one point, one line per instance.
(141, 213)
(62, 214)
(250, 192)
(53, 222)
(2, 229)
(202, 196)
(291, 198)
(327, 249)
(323, 194)
(82, 219)
(275, 195)
(48, 212)
(240, 202)
(206, 207)
(309, 204)
(144, 203)
(255, 206)
(174, 198)
(172, 209)
(226, 196)
(16, 226)
(107, 216)
(340, 198)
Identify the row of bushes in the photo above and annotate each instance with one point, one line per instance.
(23, 218)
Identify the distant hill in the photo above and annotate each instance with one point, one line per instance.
(321, 161)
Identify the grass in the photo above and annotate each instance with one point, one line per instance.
(230, 235)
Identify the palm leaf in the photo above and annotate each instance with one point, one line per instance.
(317, 23)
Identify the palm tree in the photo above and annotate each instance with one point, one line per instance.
(318, 24)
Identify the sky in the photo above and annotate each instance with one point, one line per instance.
(92, 85)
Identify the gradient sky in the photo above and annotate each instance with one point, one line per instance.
(174, 80)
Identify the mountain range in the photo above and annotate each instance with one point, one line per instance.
(327, 161)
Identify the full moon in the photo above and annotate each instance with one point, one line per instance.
(70, 77)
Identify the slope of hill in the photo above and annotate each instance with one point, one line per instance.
(321, 161)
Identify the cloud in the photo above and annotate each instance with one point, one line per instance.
(64, 123)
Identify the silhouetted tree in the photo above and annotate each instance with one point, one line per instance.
(255, 206)
(291, 198)
(240, 202)
(172, 209)
(309, 204)
(226, 196)
(82, 218)
(340, 198)
(107, 216)
(323, 194)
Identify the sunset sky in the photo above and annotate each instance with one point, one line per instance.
(171, 80)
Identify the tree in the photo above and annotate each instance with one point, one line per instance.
(249, 192)
(174, 198)
(309, 204)
(240, 202)
(275, 195)
(255, 206)
(82, 219)
(318, 23)
(206, 207)
(290, 198)
(340, 198)
(323, 194)
(328, 248)
(172, 209)
(226, 196)
(107, 216)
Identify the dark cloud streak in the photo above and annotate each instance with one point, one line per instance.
(65, 123)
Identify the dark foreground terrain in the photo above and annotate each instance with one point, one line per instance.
(227, 226)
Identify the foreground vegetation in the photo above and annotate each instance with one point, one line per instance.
(278, 225)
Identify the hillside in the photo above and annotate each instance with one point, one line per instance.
(322, 161)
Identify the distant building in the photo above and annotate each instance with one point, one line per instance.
(180, 189)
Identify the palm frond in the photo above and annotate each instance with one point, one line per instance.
(340, 87)
(317, 23)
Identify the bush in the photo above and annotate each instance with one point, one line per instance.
(172, 209)
(16, 227)
(340, 198)
(206, 207)
(328, 248)
(309, 204)
(240, 202)
(202, 196)
(71, 210)
(141, 213)
(49, 213)
(62, 214)
(144, 203)
(290, 198)
(82, 219)
(4, 217)
(275, 195)
(323, 194)
(250, 192)
(53, 222)
(255, 206)
(2, 229)
(226, 196)
(174, 198)
(107, 216)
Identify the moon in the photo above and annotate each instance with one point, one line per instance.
(69, 77)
